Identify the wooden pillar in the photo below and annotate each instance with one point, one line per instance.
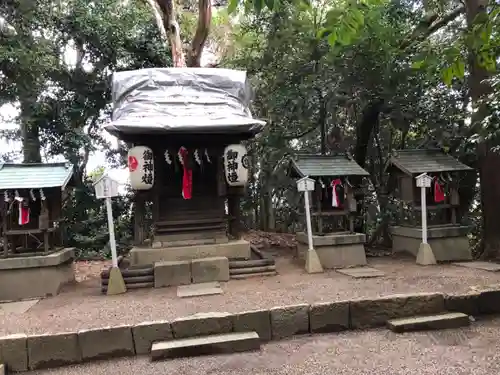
(319, 217)
(454, 202)
(156, 196)
(139, 218)
(4, 208)
(234, 211)
(43, 223)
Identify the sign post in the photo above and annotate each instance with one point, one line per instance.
(106, 188)
(425, 255)
(313, 264)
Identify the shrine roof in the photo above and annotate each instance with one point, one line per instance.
(326, 165)
(35, 176)
(425, 160)
(182, 101)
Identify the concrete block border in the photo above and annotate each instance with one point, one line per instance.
(21, 352)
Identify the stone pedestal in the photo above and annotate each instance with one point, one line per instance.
(335, 250)
(239, 249)
(448, 242)
(36, 276)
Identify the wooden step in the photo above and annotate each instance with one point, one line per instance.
(251, 263)
(104, 288)
(214, 344)
(131, 272)
(190, 221)
(133, 280)
(248, 275)
(160, 230)
(429, 322)
(248, 270)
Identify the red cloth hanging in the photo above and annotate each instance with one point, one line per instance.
(336, 200)
(438, 191)
(187, 178)
(24, 214)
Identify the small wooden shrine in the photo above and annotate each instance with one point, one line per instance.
(33, 258)
(333, 208)
(446, 235)
(33, 195)
(186, 159)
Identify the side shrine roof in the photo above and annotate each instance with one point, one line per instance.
(326, 165)
(424, 161)
(35, 176)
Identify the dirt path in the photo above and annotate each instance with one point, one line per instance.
(82, 306)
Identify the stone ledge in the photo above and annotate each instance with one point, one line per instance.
(47, 351)
(104, 343)
(205, 270)
(232, 249)
(333, 239)
(50, 260)
(432, 232)
(17, 352)
(367, 313)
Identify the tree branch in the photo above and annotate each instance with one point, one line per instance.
(159, 20)
(93, 126)
(6, 29)
(172, 29)
(302, 134)
(427, 27)
(201, 34)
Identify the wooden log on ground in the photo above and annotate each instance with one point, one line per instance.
(246, 271)
(133, 280)
(104, 288)
(251, 263)
(131, 272)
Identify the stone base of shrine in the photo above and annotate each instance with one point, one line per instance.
(335, 250)
(239, 249)
(448, 242)
(36, 276)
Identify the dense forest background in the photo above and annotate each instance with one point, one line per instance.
(380, 75)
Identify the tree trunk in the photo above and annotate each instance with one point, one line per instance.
(201, 34)
(29, 133)
(172, 30)
(489, 162)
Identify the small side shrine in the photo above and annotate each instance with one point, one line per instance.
(34, 262)
(445, 233)
(185, 127)
(333, 209)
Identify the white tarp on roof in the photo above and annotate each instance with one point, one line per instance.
(180, 100)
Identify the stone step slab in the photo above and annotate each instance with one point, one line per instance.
(214, 344)
(429, 322)
(483, 266)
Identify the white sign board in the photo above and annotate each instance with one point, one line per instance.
(305, 184)
(106, 187)
(424, 180)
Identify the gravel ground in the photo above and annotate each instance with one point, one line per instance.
(471, 351)
(82, 305)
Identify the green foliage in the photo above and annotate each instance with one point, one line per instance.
(63, 55)
(86, 224)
